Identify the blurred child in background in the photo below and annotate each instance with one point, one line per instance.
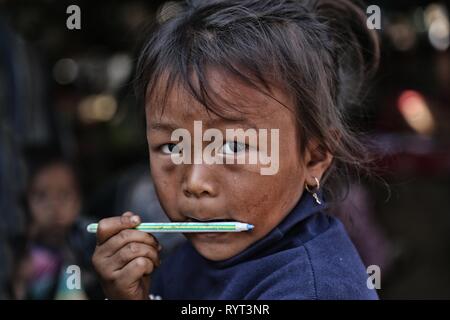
(54, 238)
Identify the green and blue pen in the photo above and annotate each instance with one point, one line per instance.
(184, 227)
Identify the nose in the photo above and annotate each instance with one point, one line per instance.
(199, 182)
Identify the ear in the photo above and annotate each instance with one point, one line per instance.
(317, 160)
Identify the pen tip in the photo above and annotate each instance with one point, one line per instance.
(250, 227)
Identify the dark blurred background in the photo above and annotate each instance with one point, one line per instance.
(67, 96)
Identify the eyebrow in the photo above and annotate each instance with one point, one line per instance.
(246, 124)
(163, 126)
(168, 126)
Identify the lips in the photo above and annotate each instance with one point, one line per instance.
(192, 219)
(207, 237)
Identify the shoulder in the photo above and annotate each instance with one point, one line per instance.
(326, 267)
(338, 269)
(291, 277)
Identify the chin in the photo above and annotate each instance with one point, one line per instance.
(214, 252)
(213, 249)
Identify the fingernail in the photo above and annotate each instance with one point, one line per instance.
(135, 219)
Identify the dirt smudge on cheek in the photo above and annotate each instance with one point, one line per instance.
(254, 208)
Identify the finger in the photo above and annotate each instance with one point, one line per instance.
(108, 227)
(135, 270)
(114, 244)
(130, 252)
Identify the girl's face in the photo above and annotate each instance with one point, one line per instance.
(53, 198)
(239, 192)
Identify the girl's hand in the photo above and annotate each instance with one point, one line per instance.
(124, 258)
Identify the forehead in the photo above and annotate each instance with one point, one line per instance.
(233, 100)
(55, 173)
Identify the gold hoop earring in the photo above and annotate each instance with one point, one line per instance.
(314, 192)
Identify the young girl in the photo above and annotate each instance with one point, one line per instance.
(287, 65)
(54, 237)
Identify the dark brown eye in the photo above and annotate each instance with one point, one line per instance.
(232, 147)
(168, 148)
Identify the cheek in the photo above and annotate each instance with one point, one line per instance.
(39, 212)
(266, 200)
(265, 196)
(165, 182)
(71, 208)
(161, 170)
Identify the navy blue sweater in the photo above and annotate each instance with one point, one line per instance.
(307, 256)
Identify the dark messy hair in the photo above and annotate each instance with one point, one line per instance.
(39, 158)
(320, 52)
